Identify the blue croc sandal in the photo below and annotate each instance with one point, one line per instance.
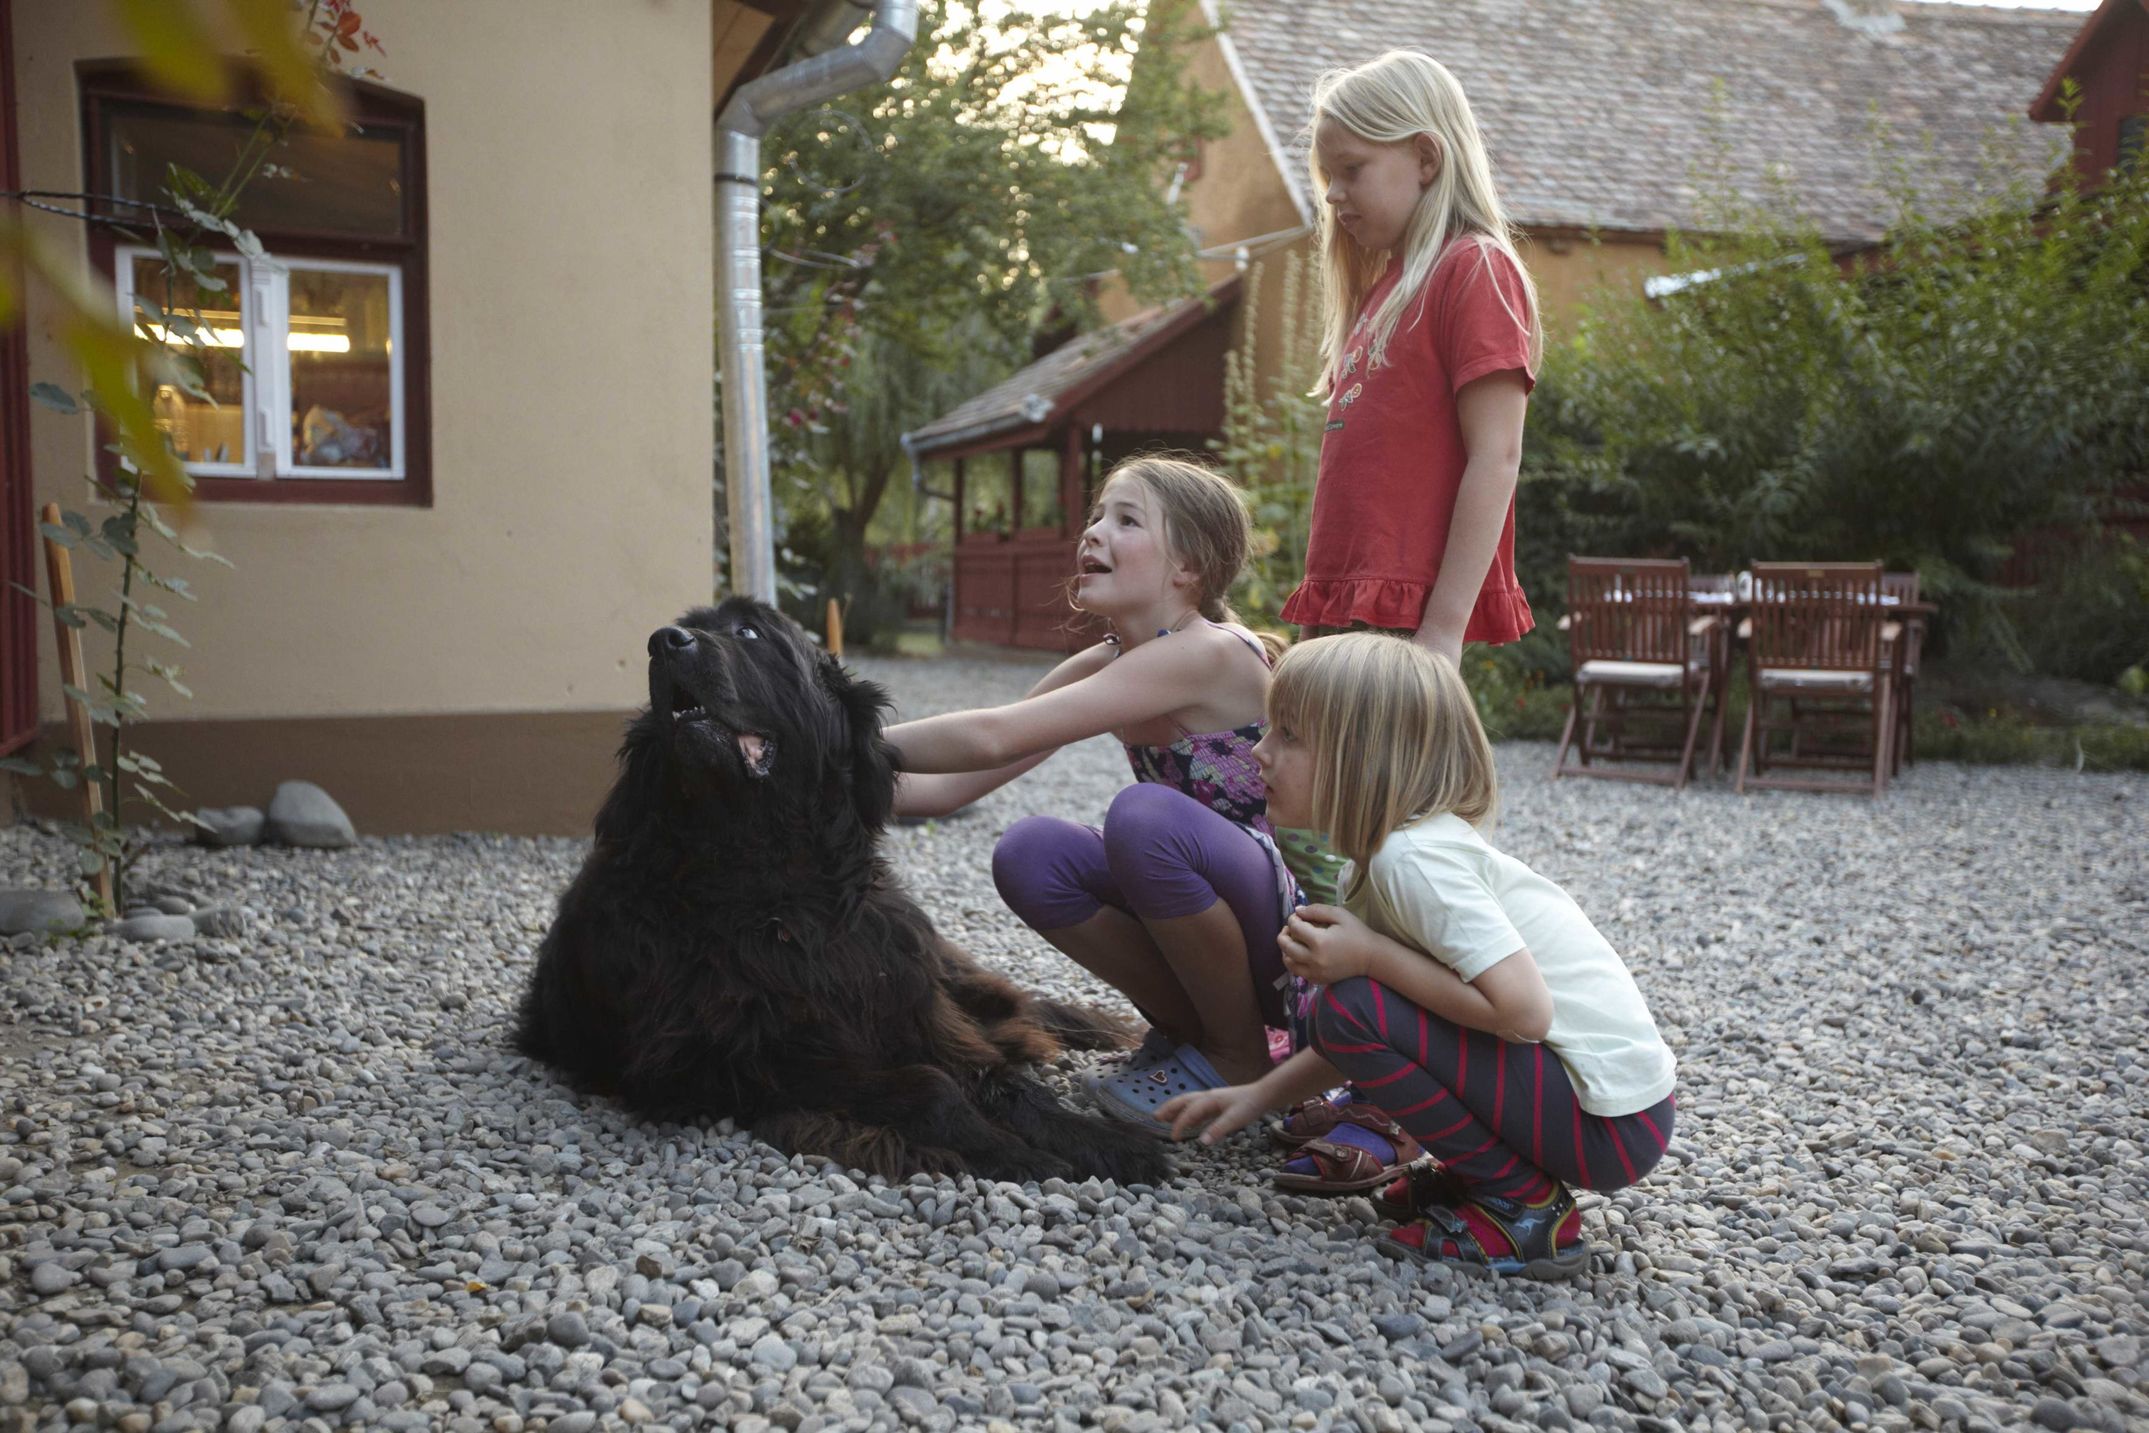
(1155, 1049)
(1136, 1095)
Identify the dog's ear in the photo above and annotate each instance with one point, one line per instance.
(872, 768)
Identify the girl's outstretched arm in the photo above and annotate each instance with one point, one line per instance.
(944, 793)
(1152, 679)
(1491, 410)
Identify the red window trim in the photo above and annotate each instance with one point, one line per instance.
(106, 82)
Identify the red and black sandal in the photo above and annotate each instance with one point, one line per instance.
(1448, 1235)
(1418, 1189)
(1358, 1155)
(1316, 1118)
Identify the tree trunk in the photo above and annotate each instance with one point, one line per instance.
(848, 578)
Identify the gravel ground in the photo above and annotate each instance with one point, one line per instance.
(294, 1178)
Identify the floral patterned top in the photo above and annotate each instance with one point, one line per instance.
(1216, 768)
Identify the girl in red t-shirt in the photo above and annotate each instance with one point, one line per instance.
(1429, 356)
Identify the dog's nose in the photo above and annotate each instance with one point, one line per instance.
(672, 638)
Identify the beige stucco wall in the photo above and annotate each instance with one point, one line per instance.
(569, 159)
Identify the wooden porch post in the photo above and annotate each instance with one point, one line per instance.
(1074, 513)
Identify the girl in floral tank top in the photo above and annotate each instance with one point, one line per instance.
(1177, 896)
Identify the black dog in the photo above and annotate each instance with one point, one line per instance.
(733, 945)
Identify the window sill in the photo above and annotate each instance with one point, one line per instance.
(347, 492)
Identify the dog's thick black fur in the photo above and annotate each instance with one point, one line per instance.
(733, 945)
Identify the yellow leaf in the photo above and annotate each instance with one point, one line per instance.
(176, 50)
(114, 364)
(288, 64)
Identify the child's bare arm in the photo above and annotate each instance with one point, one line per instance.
(1221, 1112)
(944, 793)
(1328, 943)
(1491, 411)
(1103, 693)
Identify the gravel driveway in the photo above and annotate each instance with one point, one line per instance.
(294, 1178)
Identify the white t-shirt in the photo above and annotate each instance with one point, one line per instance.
(1436, 885)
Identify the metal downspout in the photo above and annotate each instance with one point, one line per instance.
(869, 60)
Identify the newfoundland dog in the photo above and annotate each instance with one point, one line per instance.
(733, 945)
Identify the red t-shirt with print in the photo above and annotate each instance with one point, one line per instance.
(1393, 456)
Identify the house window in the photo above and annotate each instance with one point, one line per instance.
(2133, 138)
(316, 355)
(986, 489)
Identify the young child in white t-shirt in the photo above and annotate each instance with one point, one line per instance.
(1465, 996)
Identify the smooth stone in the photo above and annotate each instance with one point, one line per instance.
(229, 825)
(39, 912)
(221, 922)
(154, 928)
(48, 1279)
(302, 814)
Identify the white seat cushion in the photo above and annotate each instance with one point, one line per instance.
(1814, 679)
(1633, 674)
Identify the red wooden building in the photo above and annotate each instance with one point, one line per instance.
(2109, 59)
(1027, 455)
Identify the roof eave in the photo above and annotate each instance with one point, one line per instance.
(2045, 108)
(923, 445)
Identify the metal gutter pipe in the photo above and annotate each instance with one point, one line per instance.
(870, 59)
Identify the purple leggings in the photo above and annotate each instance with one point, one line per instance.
(1161, 854)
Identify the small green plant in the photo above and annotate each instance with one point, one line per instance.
(1272, 436)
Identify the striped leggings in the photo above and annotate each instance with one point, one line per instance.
(1502, 1117)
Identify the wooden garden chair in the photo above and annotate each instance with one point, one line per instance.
(1903, 587)
(1643, 662)
(1821, 665)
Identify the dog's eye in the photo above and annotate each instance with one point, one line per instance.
(749, 633)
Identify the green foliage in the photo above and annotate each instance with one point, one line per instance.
(1272, 434)
(2088, 617)
(2012, 739)
(1519, 687)
(920, 233)
(1976, 381)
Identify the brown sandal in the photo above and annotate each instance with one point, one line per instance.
(1318, 1117)
(1341, 1168)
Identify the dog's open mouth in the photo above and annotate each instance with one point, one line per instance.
(756, 752)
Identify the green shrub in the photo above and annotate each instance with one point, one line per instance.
(2010, 739)
(1928, 404)
(2089, 618)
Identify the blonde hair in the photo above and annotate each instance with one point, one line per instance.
(1394, 734)
(1393, 100)
(1206, 527)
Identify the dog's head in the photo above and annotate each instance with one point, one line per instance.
(745, 711)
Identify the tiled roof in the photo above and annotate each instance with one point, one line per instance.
(1596, 111)
(1033, 394)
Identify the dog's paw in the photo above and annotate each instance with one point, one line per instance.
(1145, 1163)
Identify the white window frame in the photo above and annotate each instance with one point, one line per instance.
(265, 313)
(123, 280)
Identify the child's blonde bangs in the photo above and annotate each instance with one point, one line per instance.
(1394, 734)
